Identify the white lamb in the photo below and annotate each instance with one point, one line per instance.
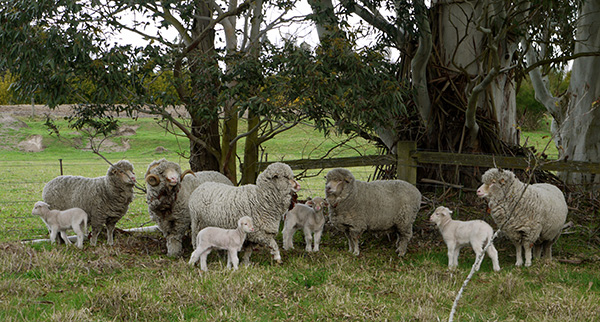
(59, 221)
(457, 234)
(308, 217)
(230, 240)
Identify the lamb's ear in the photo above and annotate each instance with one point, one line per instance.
(309, 203)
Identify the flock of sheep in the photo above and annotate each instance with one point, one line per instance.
(219, 215)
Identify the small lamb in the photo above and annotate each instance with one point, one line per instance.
(231, 240)
(457, 233)
(59, 221)
(308, 217)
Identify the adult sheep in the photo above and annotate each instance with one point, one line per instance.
(528, 214)
(105, 199)
(382, 206)
(219, 205)
(167, 193)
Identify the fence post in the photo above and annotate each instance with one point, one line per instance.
(406, 166)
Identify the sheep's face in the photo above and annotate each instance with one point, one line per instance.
(336, 182)
(123, 170)
(495, 182)
(39, 208)
(246, 224)
(279, 175)
(440, 215)
(317, 203)
(164, 171)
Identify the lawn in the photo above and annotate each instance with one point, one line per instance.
(134, 280)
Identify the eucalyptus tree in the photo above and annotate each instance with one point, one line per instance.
(576, 117)
(464, 59)
(53, 47)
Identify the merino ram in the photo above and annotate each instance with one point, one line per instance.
(380, 206)
(105, 199)
(167, 194)
(528, 214)
(218, 205)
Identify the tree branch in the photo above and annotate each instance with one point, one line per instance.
(420, 60)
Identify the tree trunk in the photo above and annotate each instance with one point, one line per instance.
(250, 170)
(578, 136)
(202, 104)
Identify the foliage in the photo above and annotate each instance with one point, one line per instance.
(530, 111)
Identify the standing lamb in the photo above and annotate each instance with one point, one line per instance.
(457, 234)
(308, 217)
(167, 195)
(383, 205)
(219, 205)
(528, 214)
(230, 240)
(105, 199)
(59, 221)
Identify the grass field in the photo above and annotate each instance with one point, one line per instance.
(134, 280)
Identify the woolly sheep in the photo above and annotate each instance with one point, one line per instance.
(167, 194)
(527, 214)
(59, 221)
(219, 205)
(308, 217)
(383, 205)
(457, 234)
(105, 199)
(230, 240)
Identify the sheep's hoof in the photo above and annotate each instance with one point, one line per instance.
(278, 261)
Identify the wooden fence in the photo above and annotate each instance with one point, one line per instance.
(408, 159)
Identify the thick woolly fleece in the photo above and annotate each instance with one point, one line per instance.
(105, 199)
(219, 205)
(527, 214)
(384, 205)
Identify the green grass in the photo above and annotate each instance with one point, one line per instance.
(134, 280)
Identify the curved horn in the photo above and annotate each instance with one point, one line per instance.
(152, 179)
(188, 171)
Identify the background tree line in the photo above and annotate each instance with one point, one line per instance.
(444, 74)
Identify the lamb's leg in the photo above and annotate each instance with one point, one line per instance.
(203, 256)
(317, 240)
(194, 258)
(64, 236)
(519, 251)
(493, 254)
(288, 236)
(478, 252)
(233, 259)
(308, 239)
(78, 229)
(53, 233)
(451, 256)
